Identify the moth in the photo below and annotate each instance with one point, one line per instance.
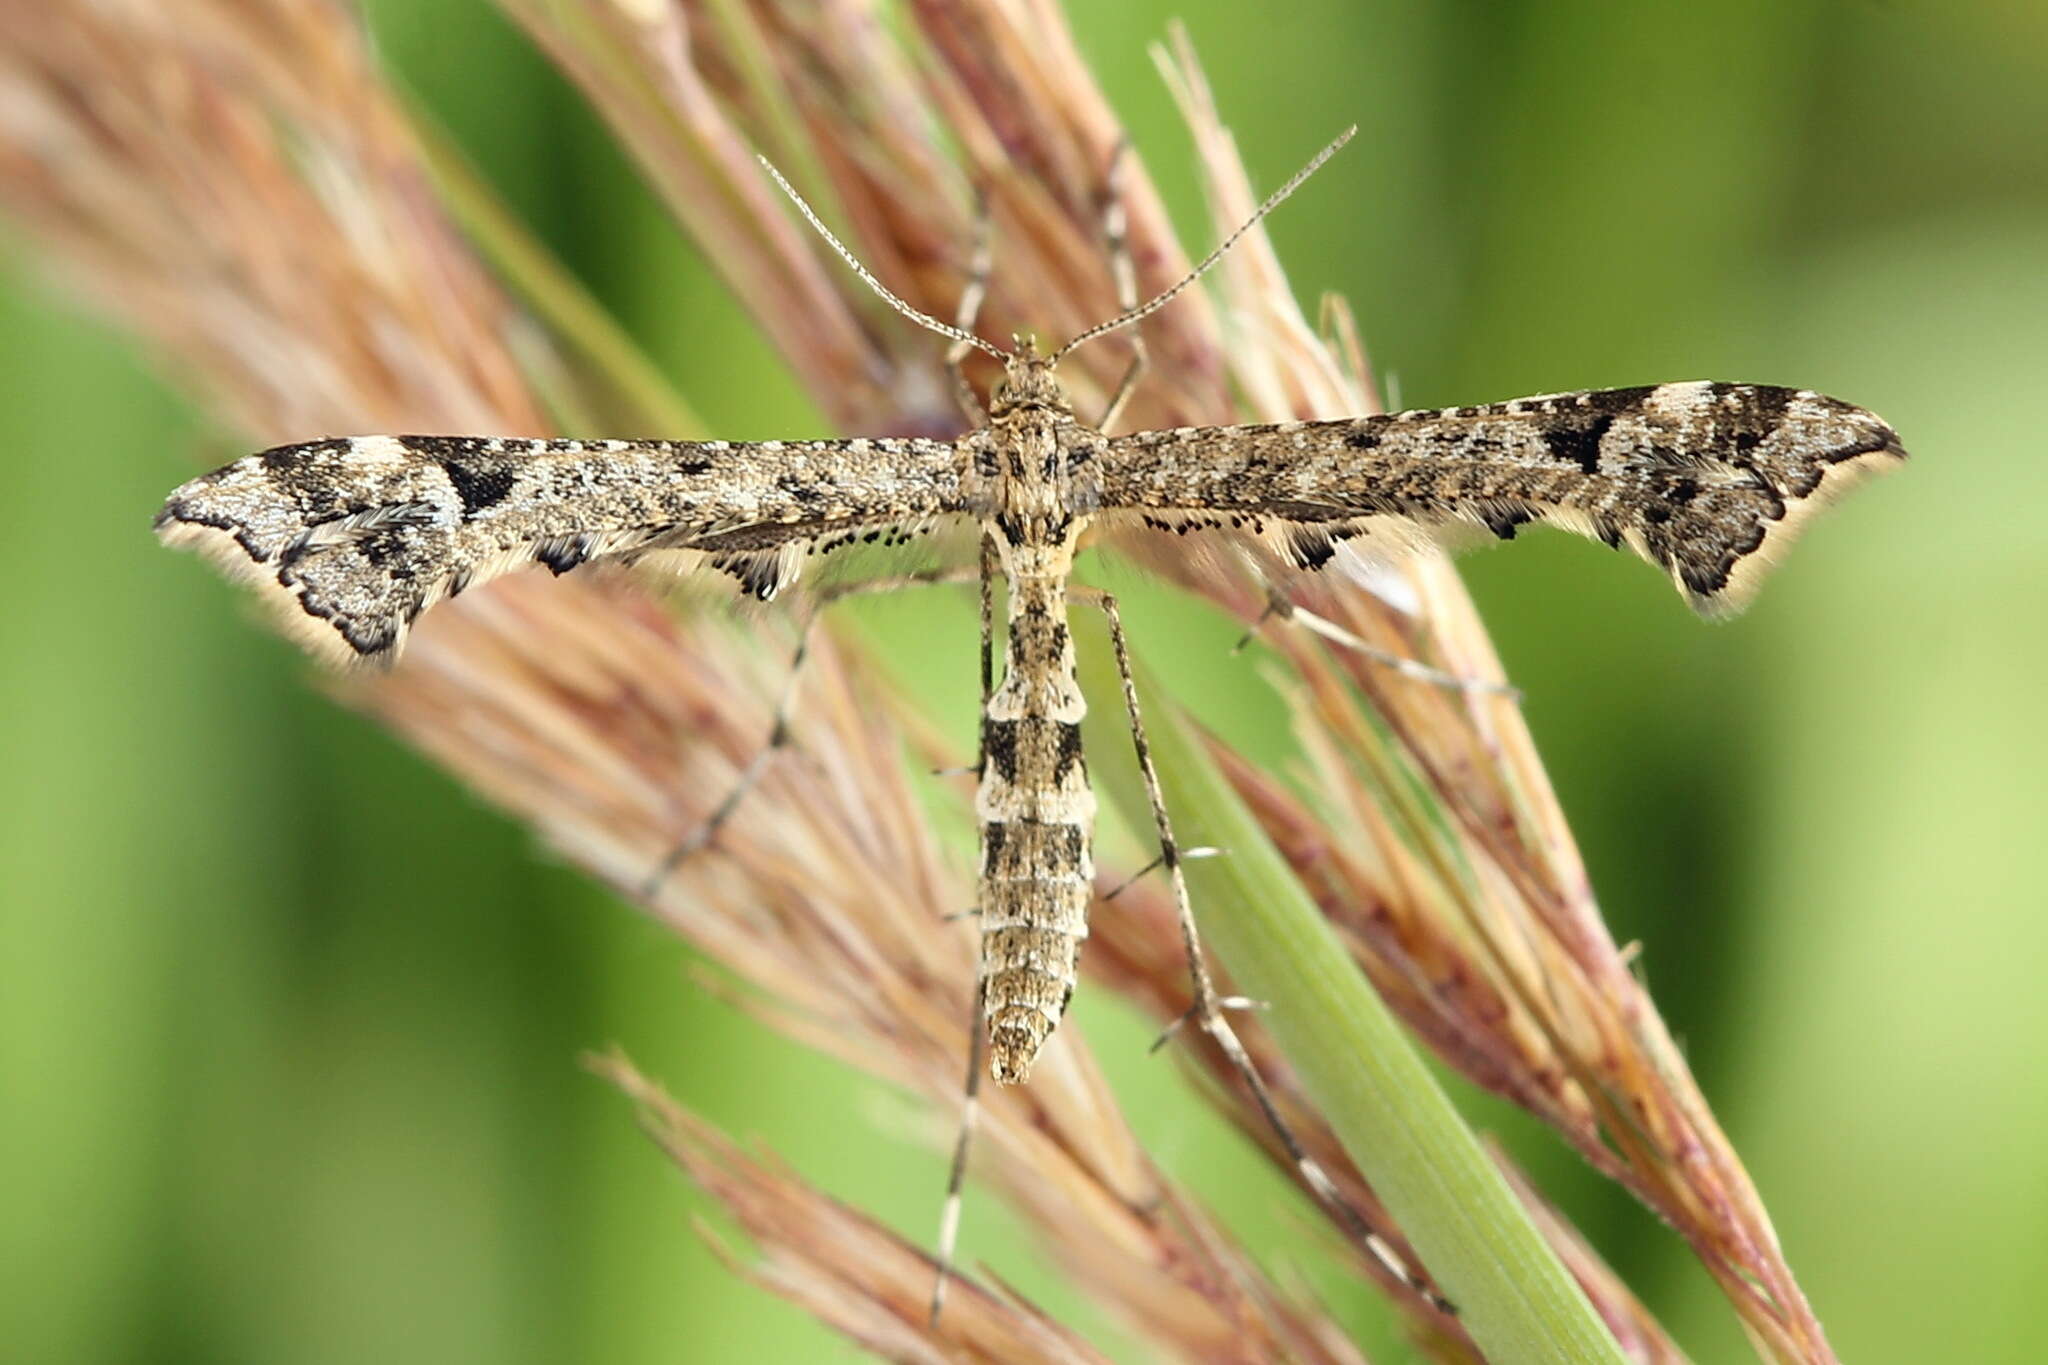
(352, 538)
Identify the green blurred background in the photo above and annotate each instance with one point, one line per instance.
(289, 1023)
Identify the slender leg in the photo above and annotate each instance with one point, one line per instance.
(1158, 861)
(1278, 606)
(970, 1110)
(1116, 237)
(971, 299)
(977, 1032)
(778, 730)
(989, 572)
(1208, 1010)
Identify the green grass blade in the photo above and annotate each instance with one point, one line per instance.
(1354, 1060)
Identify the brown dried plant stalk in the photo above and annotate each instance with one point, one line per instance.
(237, 185)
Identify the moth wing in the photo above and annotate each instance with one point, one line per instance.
(1710, 482)
(351, 539)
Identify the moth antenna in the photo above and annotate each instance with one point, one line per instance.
(1160, 300)
(921, 318)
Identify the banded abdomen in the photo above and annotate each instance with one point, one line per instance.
(1037, 817)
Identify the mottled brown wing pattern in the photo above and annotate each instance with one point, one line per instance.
(353, 538)
(1710, 482)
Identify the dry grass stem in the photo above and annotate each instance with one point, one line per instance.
(835, 1263)
(236, 185)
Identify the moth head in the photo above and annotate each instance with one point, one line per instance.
(1027, 381)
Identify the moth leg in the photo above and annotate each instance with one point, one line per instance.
(970, 1111)
(989, 572)
(977, 1032)
(779, 730)
(1116, 237)
(1209, 1009)
(1187, 855)
(1278, 606)
(972, 296)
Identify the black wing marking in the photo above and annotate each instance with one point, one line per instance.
(355, 537)
(1710, 482)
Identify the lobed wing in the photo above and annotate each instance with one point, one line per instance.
(1710, 482)
(353, 538)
